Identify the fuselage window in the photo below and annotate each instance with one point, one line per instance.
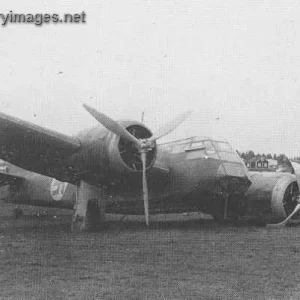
(210, 150)
(228, 156)
(226, 152)
(222, 146)
(209, 146)
(197, 145)
(196, 150)
(181, 147)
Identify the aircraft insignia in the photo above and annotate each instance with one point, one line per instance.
(57, 189)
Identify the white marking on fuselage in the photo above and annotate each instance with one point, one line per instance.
(57, 189)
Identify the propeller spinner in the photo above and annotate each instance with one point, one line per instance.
(143, 145)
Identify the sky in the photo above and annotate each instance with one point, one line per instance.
(235, 64)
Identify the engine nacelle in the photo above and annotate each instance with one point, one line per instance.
(272, 195)
(124, 156)
(104, 156)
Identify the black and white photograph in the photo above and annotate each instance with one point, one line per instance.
(149, 149)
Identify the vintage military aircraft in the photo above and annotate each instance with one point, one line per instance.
(271, 196)
(110, 169)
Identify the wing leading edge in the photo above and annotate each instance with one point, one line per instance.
(35, 148)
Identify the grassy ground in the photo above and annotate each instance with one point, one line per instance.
(178, 257)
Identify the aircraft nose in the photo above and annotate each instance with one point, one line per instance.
(232, 169)
(236, 176)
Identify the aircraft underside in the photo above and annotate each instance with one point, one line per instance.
(271, 196)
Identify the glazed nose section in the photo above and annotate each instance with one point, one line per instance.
(232, 169)
(237, 175)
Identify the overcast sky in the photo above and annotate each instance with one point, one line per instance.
(236, 64)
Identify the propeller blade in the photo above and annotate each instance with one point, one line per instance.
(145, 188)
(111, 125)
(286, 220)
(170, 126)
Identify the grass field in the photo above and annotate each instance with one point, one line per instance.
(178, 257)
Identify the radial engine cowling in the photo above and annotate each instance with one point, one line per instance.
(124, 157)
(272, 195)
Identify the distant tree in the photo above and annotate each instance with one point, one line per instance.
(242, 155)
(250, 154)
(281, 158)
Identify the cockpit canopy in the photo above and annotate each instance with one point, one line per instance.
(203, 147)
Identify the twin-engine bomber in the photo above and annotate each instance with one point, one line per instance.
(120, 168)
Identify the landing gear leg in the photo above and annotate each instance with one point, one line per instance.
(227, 211)
(225, 207)
(90, 207)
(18, 212)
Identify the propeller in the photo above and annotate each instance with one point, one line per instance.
(296, 209)
(170, 126)
(145, 188)
(287, 219)
(112, 125)
(143, 145)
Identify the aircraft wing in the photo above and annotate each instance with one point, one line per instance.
(9, 179)
(33, 147)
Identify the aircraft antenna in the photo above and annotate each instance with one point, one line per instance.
(142, 118)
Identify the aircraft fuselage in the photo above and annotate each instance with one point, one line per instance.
(189, 175)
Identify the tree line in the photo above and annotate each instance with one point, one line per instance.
(279, 157)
